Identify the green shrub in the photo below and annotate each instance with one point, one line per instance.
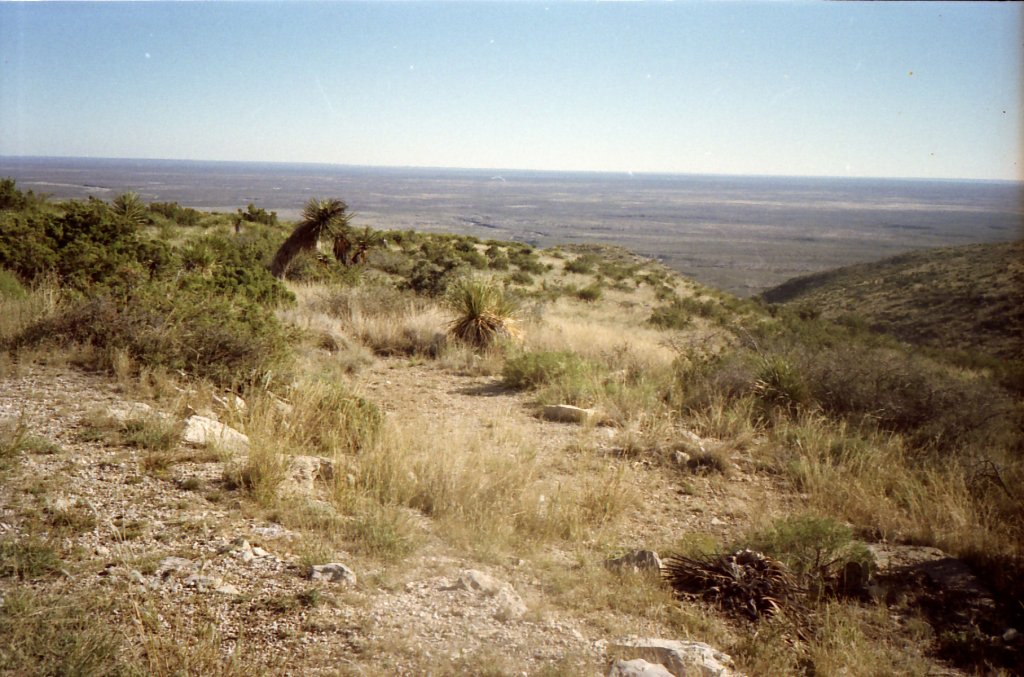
(591, 293)
(182, 327)
(432, 279)
(558, 377)
(535, 369)
(498, 259)
(10, 286)
(88, 245)
(819, 550)
(183, 216)
(582, 265)
(519, 277)
(673, 316)
(527, 261)
(11, 198)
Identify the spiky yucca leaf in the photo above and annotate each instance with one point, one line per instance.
(484, 313)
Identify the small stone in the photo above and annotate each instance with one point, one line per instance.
(260, 552)
(636, 561)
(478, 581)
(334, 572)
(102, 551)
(302, 473)
(1011, 636)
(227, 589)
(715, 522)
(510, 606)
(681, 458)
(136, 577)
(122, 412)
(173, 565)
(637, 667)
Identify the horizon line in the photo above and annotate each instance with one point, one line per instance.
(601, 172)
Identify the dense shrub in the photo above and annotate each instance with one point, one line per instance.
(254, 214)
(672, 316)
(535, 369)
(819, 550)
(497, 258)
(582, 265)
(183, 216)
(13, 199)
(87, 245)
(10, 286)
(591, 293)
(181, 326)
(526, 259)
(862, 379)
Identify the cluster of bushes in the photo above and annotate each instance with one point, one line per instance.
(172, 211)
(679, 312)
(795, 365)
(204, 308)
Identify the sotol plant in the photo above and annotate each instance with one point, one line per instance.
(484, 313)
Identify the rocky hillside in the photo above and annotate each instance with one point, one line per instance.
(968, 298)
(436, 455)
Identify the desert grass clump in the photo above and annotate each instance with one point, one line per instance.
(485, 489)
(558, 377)
(484, 313)
(29, 558)
(322, 417)
(48, 634)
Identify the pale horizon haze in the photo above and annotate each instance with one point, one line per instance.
(901, 90)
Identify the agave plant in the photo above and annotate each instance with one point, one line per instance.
(745, 582)
(320, 218)
(484, 312)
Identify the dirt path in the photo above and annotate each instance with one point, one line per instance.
(117, 523)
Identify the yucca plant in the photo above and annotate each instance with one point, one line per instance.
(484, 312)
(319, 218)
(131, 207)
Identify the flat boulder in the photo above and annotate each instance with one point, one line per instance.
(204, 432)
(637, 667)
(566, 413)
(679, 658)
(335, 572)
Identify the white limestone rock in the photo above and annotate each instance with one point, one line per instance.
(203, 432)
(681, 659)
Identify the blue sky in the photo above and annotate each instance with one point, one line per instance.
(780, 88)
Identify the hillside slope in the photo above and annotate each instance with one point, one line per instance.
(959, 298)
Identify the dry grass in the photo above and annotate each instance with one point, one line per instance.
(488, 488)
(873, 482)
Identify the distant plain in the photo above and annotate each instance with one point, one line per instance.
(740, 234)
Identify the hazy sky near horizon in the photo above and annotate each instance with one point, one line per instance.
(776, 88)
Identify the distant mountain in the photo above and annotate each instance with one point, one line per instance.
(968, 298)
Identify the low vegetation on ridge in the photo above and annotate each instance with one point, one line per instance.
(851, 437)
